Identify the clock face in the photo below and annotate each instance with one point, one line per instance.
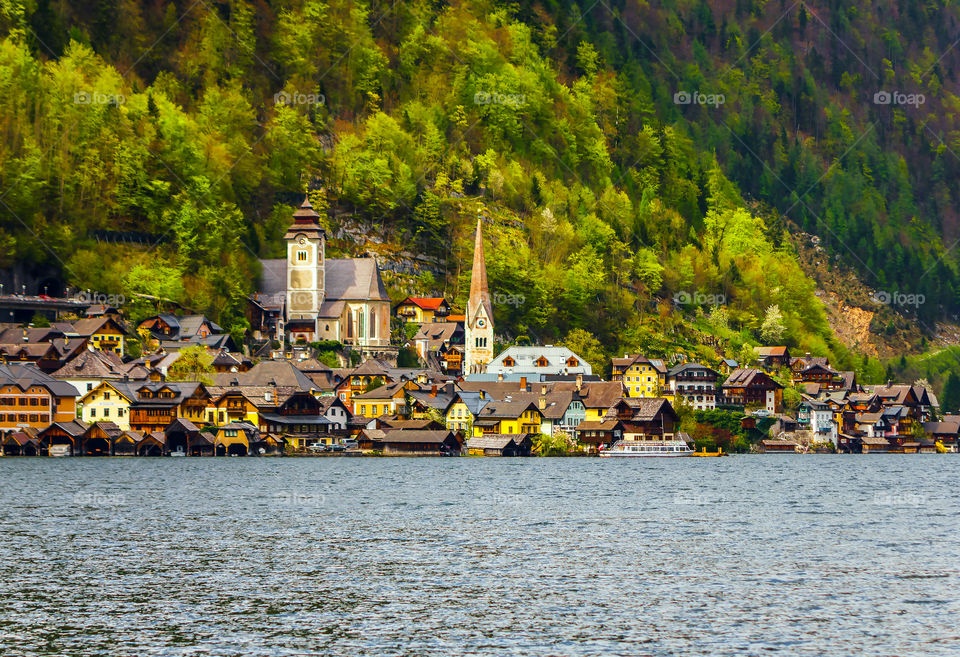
(481, 323)
(303, 240)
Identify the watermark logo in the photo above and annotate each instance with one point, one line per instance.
(698, 98)
(515, 300)
(297, 98)
(500, 499)
(899, 499)
(95, 298)
(898, 299)
(97, 98)
(301, 300)
(295, 498)
(494, 98)
(697, 298)
(898, 98)
(83, 498)
(698, 499)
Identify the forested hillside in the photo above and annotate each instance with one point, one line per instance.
(638, 165)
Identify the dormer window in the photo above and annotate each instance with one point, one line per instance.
(542, 362)
(572, 362)
(509, 362)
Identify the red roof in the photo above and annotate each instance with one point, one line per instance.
(426, 303)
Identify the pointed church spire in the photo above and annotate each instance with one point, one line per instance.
(479, 294)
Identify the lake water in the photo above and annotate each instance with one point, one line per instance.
(764, 555)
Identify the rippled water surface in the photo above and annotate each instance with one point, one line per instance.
(338, 556)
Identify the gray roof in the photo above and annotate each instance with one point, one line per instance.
(347, 279)
(25, 375)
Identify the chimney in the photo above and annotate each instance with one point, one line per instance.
(433, 390)
(579, 381)
(543, 389)
(500, 376)
(543, 403)
(523, 383)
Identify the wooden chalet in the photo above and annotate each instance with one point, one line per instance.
(644, 418)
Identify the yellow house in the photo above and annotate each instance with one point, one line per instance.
(464, 410)
(642, 377)
(108, 401)
(423, 310)
(508, 417)
(104, 333)
(385, 400)
(230, 405)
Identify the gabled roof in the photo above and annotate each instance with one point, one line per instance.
(507, 410)
(90, 364)
(25, 375)
(265, 373)
(89, 326)
(766, 352)
(525, 359)
(644, 409)
(601, 394)
(748, 376)
(425, 303)
(638, 359)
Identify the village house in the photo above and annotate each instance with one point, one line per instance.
(422, 310)
(694, 384)
(464, 409)
(102, 333)
(750, 387)
(32, 398)
(158, 404)
(536, 361)
(817, 417)
(644, 418)
(90, 368)
(300, 418)
(641, 376)
(508, 417)
(440, 346)
(772, 358)
(110, 401)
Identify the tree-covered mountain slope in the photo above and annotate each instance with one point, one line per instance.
(636, 163)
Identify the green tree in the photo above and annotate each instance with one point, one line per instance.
(194, 363)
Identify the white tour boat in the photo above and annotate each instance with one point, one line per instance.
(648, 448)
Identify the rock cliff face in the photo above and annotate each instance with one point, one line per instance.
(862, 318)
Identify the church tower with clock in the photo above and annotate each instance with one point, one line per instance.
(306, 271)
(478, 335)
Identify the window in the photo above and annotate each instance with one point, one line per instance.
(106, 412)
(93, 412)
(119, 412)
(106, 395)
(301, 256)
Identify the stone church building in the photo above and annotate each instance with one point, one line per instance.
(307, 296)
